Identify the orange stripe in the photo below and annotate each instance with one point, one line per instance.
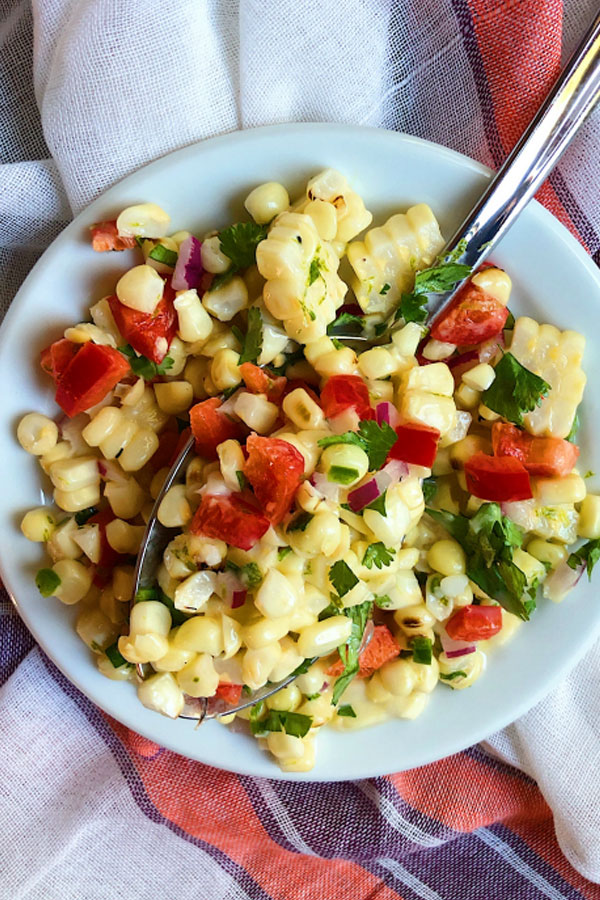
(212, 805)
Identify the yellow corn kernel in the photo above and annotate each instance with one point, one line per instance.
(480, 377)
(589, 517)
(37, 434)
(447, 557)
(549, 491)
(302, 410)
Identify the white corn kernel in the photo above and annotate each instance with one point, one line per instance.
(162, 694)
(480, 377)
(256, 411)
(194, 322)
(143, 220)
(78, 499)
(546, 552)
(38, 524)
(589, 517)
(123, 537)
(323, 637)
(199, 678)
(434, 379)
(140, 288)
(174, 510)
(257, 665)
(276, 596)
(495, 282)
(264, 632)
(203, 634)
(174, 397)
(213, 258)
(75, 580)
(95, 629)
(225, 369)
(266, 201)
(139, 450)
(126, 498)
(447, 557)
(549, 491)
(228, 300)
(37, 434)
(193, 593)
(302, 410)
(438, 350)
(149, 617)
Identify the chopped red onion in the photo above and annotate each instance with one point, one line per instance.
(452, 648)
(488, 349)
(387, 412)
(188, 268)
(345, 421)
(328, 489)
(397, 469)
(365, 494)
(230, 589)
(562, 580)
(238, 599)
(226, 408)
(367, 635)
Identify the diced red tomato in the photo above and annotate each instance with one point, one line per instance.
(55, 358)
(88, 378)
(474, 623)
(231, 519)
(106, 237)
(382, 647)
(230, 693)
(211, 427)
(473, 317)
(109, 558)
(148, 333)
(503, 479)
(544, 456)
(274, 468)
(260, 381)
(344, 391)
(416, 444)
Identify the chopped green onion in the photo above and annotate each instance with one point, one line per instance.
(163, 255)
(114, 655)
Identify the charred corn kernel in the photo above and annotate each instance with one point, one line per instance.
(472, 665)
(302, 410)
(466, 397)
(225, 369)
(37, 434)
(75, 580)
(553, 554)
(257, 665)
(589, 517)
(415, 619)
(434, 379)
(549, 491)
(38, 524)
(256, 411)
(267, 201)
(174, 397)
(344, 464)
(174, 510)
(95, 629)
(162, 694)
(438, 350)
(480, 377)
(287, 699)
(276, 596)
(447, 557)
(143, 220)
(122, 583)
(123, 537)
(126, 498)
(465, 449)
(139, 450)
(323, 637)
(264, 632)
(198, 677)
(213, 258)
(192, 594)
(495, 282)
(228, 300)
(429, 409)
(140, 288)
(203, 634)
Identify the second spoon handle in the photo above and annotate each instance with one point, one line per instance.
(542, 144)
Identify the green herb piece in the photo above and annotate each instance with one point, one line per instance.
(337, 344)
(47, 581)
(230, 391)
(489, 539)
(349, 437)
(589, 474)
(83, 515)
(588, 553)
(312, 696)
(347, 322)
(342, 577)
(283, 552)
(349, 651)
(239, 243)
(435, 280)
(515, 390)
(421, 650)
(314, 272)
(246, 691)
(303, 668)
(163, 255)
(342, 474)
(379, 440)
(115, 656)
(301, 522)
(231, 566)
(146, 593)
(177, 616)
(140, 241)
(222, 278)
(510, 322)
(144, 367)
(530, 606)
(292, 723)
(572, 435)
(429, 488)
(257, 713)
(333, 608)
(241, 480)
(251, 575)
(346, 710)
(385, 289)
(379, 505)
(452, 675)
(377, 555)
(290, 359)
(252, 342)
(383, 601)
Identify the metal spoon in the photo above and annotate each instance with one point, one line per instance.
(572, 98)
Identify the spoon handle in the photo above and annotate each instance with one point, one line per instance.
(542, 144)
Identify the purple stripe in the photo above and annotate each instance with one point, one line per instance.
(138, 790)
(479, 755)
(15, 640)
(576, 214)
(464, 19)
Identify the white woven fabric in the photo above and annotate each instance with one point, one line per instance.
(115, 84)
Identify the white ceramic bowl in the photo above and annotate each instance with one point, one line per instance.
(203, 187)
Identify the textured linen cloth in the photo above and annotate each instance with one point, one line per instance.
(89, 91)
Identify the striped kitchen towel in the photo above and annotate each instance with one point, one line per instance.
(91, 810)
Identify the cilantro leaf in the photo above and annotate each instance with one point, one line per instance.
(251, 575)
(383, 601)
(144, 367)
(283, 552)
(588, 553)
(349, 437)
(239, 242)
(379, 505)
(349, 651)
(377, 554)
(436, 279)
(385, 289)
(413, 308)
(379, 440)
(572, 435)
(292, 723)
(346, 710)
(47, 581)
(301, 522)
(314, 272)
(252, 342)
(422, 650)
(429, 488)
(342, 577)
(515, 390)
(347, 322)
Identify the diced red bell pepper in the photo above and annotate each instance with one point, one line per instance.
(416, 444)
(55, 358)
(229, 518)
(260, 381)
(91, 374)
(274, 468)
(473, 317)
(229, 693)
(343, 392)
(547, 457)
(474, 623)
(382, 647)
(106, 237)
(503, 479)
(211, 427)
(148, 333)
